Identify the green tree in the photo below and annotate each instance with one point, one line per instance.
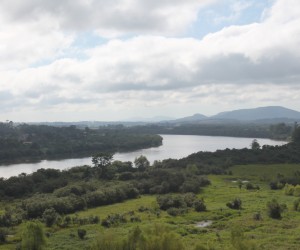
(141, 163)
(296, 135)
(33, 237)
(255, 145)
(50, 216)
(101, 162)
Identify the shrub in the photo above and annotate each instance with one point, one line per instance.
(274, 185)
(296, 205)
(167, 201)
(176, 211)
(289, 189)
(114, 219)
(50, 216)
(235, 204)
(199, 205)
(275, 209)
(250, 186)
(33, 236)
(81, 233)
(3, 235)
(297, 191)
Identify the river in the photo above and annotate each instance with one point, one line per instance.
(174, 146)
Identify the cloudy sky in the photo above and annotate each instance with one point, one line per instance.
(77, 60)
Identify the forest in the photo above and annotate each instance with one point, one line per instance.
(23, 142)
(280, 131)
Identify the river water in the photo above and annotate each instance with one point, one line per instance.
(174, 146)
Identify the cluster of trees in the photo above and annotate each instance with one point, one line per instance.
(277, 131)
(23, 141)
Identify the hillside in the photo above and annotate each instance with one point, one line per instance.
(261, 113)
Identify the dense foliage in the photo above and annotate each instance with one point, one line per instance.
(277, 131)
(29, 142)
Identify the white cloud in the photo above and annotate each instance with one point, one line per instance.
(250, 64)
(110, 17)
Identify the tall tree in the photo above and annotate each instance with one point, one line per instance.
(141, 163)
(101, 162)
(33, 237)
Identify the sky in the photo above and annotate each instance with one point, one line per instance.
(105, 60)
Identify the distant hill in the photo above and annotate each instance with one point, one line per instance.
(261, 113)
(150, 120)
(190, 119)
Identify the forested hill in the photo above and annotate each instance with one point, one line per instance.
(33, 142)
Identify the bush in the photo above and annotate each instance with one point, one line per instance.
(199, 205)
(275, 185)
(289, 189)
(275, 209)
(81, 233)
(176, 211)
(50, 216)
(33, 236)
(171, 201)
(114, 219)
(250, 186)
(235, 204)
(3, 235)
(296, 205)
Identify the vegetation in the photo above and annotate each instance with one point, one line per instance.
(280, 131)
(34, 142)
(33, 237)
(168, 205)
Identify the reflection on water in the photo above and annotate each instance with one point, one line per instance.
(174, 146)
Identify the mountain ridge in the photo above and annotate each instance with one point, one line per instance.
(267, 114)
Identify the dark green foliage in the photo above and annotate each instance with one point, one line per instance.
(49, 216)
(113, 220)
(81, 233)
(3, 234)
(296, 205)
(199, 205)
(179, 204)
(36, 206)
(235, 204)
(275, 209)
(141, 163)
(275, 185)
(250, 186)
(173, 211)
(255, 145)
(171, 201)
(102, 162)
(23, 141)
(296, 135)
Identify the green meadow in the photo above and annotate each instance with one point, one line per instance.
(265, 233)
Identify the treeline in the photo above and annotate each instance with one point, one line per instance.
(277, 131)
(30, 142)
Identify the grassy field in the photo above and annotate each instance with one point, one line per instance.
(265, 234)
